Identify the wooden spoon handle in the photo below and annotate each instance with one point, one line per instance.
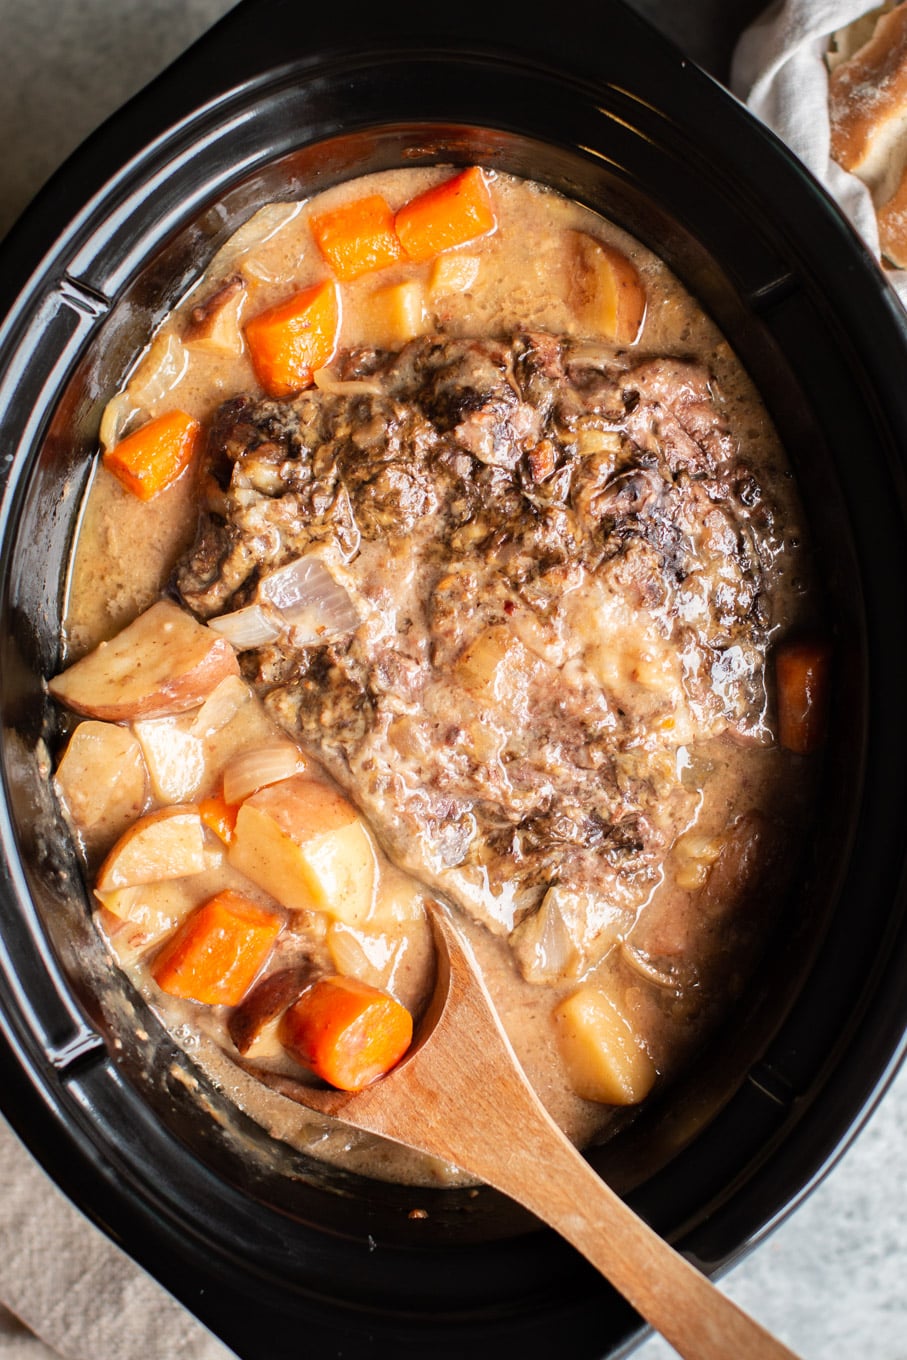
(691, 1313)
(471, 1098)
(502, 1133)
(461, 1095)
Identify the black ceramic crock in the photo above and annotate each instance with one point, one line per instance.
(275, 1254)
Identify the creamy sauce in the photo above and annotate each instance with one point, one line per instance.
(692, 927)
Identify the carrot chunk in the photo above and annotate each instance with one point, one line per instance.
(347, 1032)
(218, 951)
(357, 237)
(219, 816)
(288, 342)
(803, 677)
(449, 214)
(155, 455)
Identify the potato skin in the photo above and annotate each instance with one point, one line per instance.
(305, 845)
(163, 662)
(267, 1000)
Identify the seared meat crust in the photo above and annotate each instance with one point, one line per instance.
(560, 563)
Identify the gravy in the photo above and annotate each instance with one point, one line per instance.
(616, 815)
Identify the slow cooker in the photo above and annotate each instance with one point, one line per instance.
(272, 1251)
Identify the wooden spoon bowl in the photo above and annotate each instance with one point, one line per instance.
(460, 1094)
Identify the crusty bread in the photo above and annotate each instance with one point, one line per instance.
(844, 42)
(867, 96)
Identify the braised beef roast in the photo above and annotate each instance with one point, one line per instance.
(555, 562)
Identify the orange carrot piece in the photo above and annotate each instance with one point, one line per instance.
(288, 342)
(447, 215)
(803, 677)
(347, 1032)
(219, 816)
(218, 951)
(155, 455)
(357, 237)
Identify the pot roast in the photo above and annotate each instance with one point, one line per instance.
(551, 563)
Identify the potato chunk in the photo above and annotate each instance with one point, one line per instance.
(397, 313)
(174, 757)
(604, 1058)
(157, 908)
(453, 274)
(253, 1025)
(165, 844)
(102, 782)
(305, 844)
(186, 753)
(609, 296)
(163, 662)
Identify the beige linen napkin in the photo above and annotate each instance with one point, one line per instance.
(78, 1295)
(778, 70)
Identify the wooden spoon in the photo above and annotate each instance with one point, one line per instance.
(460, 1093)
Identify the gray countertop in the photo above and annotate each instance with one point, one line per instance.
(70, 63)
(831, 1280)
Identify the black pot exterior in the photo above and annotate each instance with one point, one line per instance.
(268, 1250)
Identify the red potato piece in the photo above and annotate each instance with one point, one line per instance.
(608, 293)
(305, 845)
(169, 843)
(129, 939)
(174, 757)
(266, 1002)
(155, 909)
(163, 662)
(605, 1058)
(102, 782)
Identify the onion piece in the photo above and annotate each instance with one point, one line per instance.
(246, 627)
(221, 706)
(158, 373)
(669, 976)
(303, 601)
(592, 353)
(312, 603)
(257, 766)
(119, 413)
(363, 955)
(543, 945)
(238, 250)
(352, 387)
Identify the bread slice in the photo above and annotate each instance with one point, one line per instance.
(844, 42)
(868, 107)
